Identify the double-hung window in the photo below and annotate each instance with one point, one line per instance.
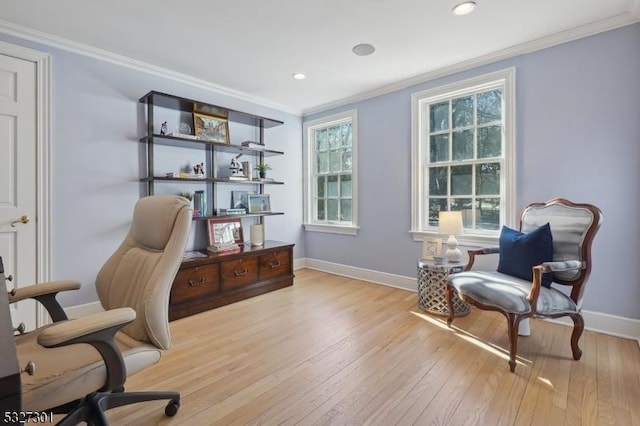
(330, 149)
(464, 156)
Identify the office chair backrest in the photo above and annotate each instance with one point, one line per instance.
(141, 271)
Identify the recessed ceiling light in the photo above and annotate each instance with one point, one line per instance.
(364, 49)
(299, 76)
(464, 8)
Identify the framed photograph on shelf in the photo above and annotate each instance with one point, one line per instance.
(239, 200)
(259, 203)
(211, 128)
(431, 248)
(225, 231)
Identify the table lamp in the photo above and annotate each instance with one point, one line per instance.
(451, 223)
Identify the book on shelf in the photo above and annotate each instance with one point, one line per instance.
(181, 135)
(233, 211)
(223, 248)
(235, 178)
(253, 144)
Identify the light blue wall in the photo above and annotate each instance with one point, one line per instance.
(578, 136)
(96, 157)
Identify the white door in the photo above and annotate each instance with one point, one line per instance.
(18, 179)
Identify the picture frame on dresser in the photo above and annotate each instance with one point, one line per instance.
(225, 231)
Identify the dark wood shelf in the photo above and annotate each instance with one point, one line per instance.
(189, 105)
(205, 180)
(198, 143)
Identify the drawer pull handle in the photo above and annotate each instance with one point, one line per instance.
(243, 272)
(193, 283)
(275, 264)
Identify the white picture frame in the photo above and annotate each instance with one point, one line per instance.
(431, 248)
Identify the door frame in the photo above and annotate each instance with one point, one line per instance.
(42, 63)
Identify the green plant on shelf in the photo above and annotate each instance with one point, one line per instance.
(262, 169)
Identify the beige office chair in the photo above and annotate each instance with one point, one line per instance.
(81, 365)
(572, 229)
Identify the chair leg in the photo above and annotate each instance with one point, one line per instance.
(578, 328)
(448, 293)
(513, 321)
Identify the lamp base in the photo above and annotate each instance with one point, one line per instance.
(453, 254)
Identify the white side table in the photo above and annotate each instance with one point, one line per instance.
(432, 281)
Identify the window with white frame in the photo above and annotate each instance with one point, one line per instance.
(464, 155)
(330, 148)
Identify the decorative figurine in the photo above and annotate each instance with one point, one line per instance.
(163, 128)
(198, 169)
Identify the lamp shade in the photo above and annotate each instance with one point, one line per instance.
(450, 223)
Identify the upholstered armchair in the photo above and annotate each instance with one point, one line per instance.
(552, 249)
(81, 365)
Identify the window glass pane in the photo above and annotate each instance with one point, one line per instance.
(345, 210)
(439, 148)
(332, 209)
(435, 206)
(489, 141)
(488, 179)
(462, 112)
(461, 180)
(464, 205)
(345, 186)
(322, 161)
(336, 160)
(438, 181)
(463, 145)
(346, 160)
(439, 116)
(320, 189)
(321, 140)
(490, 106)
(488, 213)
(332, 186)
(346, 134)
(321, 212)
(334, 136)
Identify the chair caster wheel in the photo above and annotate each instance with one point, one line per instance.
(172, 408)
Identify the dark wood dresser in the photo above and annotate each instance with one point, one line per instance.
(219, 279)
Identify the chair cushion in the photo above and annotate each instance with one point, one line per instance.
(509, 293)
(520, 252)
(64, 373)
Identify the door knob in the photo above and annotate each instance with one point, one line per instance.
(23, 219)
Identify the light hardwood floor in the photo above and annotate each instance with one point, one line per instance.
(333, 350)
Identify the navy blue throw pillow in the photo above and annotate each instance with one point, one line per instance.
(520, 252)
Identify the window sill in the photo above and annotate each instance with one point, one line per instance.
(331, 229)
(463, 240)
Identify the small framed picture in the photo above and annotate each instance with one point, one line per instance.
(210, 128)
(431, 248)
(239, 200)
(225, 231)
(259, 203)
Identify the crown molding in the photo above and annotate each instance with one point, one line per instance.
(618, 21)
(29, 34)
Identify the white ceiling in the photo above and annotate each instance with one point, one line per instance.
(254, 46)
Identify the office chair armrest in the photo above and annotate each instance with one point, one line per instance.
(473, 253)
(566, 265)
(73, 331)
(99, 331)
(45, 293)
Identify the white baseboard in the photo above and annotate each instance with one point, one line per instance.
(613, 325)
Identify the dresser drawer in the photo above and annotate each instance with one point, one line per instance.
(192, 283)
(275, 264)
(238, 273)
